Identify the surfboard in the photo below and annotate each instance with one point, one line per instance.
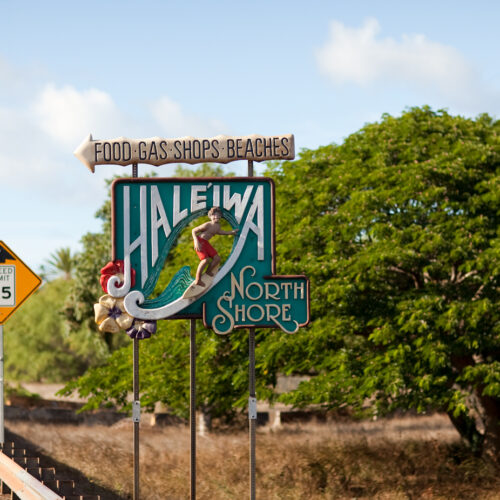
(194, 290)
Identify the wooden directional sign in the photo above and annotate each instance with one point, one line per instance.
(17, 282)
(158, 151)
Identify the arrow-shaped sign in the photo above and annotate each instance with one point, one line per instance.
(159, 151)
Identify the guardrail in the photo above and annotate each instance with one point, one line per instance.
(23, 484)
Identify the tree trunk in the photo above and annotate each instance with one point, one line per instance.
(491, 418)
(486, 443)
(466, 427)
(204, 422)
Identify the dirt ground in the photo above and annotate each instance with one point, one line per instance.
(399, 458)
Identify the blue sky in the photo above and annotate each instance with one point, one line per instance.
(317, 69)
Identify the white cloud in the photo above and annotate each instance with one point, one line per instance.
(39, 133)
(361, 56)
(37, 138)
(175, 122)
(68, 115)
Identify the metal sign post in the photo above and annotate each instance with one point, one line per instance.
(136, 409)
(252, 400)
(136, 417)
(192, 403)
(2, 399)
(252, 409)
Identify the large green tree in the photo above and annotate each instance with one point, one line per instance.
(398, 229)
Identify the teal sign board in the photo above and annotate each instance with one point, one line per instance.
(148, 216)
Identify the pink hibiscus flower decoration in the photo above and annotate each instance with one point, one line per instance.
(114, 268)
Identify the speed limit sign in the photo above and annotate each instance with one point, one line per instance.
(7, 286)
(17, 282)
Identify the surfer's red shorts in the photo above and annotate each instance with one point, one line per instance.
(207, 250)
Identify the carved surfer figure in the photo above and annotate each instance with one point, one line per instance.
(201, 235)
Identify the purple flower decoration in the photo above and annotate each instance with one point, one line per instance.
(141, 329)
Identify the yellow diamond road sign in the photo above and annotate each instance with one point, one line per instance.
(17, 282)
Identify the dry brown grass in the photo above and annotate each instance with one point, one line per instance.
(402, 458)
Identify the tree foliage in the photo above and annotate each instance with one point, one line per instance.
(60, 263)
(398, 229)
(86, 289)
(38, 345)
